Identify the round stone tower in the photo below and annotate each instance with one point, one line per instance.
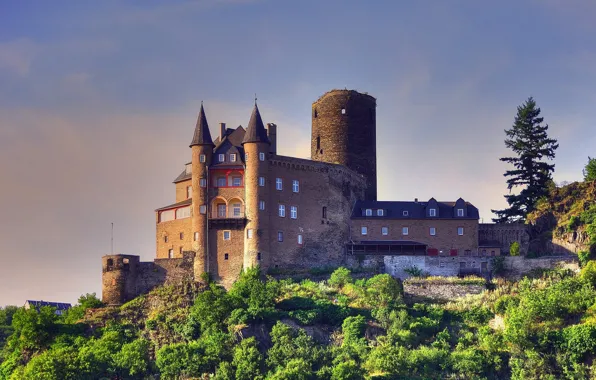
(119, 276)
(344, 131)
(202, 152)
(256, 186)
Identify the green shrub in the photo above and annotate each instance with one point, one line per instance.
(572, 224)
(414, 271)
(340, 277)
(583, 257)
(514, 249)
(588, 272)
(498, 265)
(504, 302)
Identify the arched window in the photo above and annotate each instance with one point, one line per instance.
(324, 212)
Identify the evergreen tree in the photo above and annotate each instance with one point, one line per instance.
(590, 170)
(529, 140)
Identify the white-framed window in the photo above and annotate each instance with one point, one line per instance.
(282, 211)
(363, 230)
(183, 212)
(380, 212)
(261, 205)
(188, 192)
(261, 181)
(221, 157)
(171, 253)
(236, 181)
(294, 212)
(221, 182)
(203, 182)
(227, 235)
(460, 231)
(249, 233)
(279, 185)
(368, 212)
(167, 215)
(432, 212)
(343, 111)
(405, 213)
(196, 236)
(202, 158)
(295, 186)
(385, 231)
(433, 231)
(460, 212)
(299, 239)
(245, 156)
(405, 230)
(236, 210)
(261, 156)
(232, 157)
(280, 236)
(221, 211)
(203, 209)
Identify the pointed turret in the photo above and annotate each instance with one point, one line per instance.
(202, 135)
(256, 131)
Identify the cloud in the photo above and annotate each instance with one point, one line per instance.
(16, 56)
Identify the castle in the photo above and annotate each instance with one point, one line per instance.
(240, 204)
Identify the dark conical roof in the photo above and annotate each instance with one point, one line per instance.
(256, 130)
(202, 135)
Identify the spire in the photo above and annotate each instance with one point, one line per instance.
(202, 135)
(256, 130)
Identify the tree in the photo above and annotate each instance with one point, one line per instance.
(590, 170)
(529, 140)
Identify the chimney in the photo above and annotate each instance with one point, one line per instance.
(272, 134)
(415, 200)
(222, 131)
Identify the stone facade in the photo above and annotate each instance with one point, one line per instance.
(502, 235)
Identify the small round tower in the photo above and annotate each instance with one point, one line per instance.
(119, 276)
(202, 152)
(256, 148)
(344, 131)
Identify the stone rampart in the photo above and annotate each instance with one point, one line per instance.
(504, 235)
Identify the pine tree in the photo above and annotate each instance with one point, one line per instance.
(529, 140)
(590, 170)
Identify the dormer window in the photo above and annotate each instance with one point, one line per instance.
(405, 213)
(380, 212)
(233, 157)
(222, 157)
(460, 212)
(432, 212)
(368, 212)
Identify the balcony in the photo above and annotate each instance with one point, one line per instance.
(232, 218)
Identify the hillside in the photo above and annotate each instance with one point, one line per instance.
(340, 328)
(565, 221)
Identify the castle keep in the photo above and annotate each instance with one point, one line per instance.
(240, 204)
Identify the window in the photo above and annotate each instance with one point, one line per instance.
(460, 231)
(380, 212)
(183, 212)
(385, 231)
(222, 157)
(203, 182)
(460, 212)
(221, 211)
(278, 184)
(492, 253)
(245, 156)
(171, 253)
(261, 156)
(294, 212)
(295, 186)
(259, 256)
(249, 233)
(165, 239)
(237, 181)
(202, 158)
(180, 250)
(368, 212)
(280, 236)
(282, 211)
(343, 111)
(299, 239)
(236, 210)
(233, 157)
(318, 141)
(203, 209)
(188, 192)
(226, 235)
(226, 256)
(324, 212)
(364, 230)
(433, 231)
(167, 215)
(405, 230)
(405, 213)
(196, 236)
(189, 168)
(261, 205)
(181, 235)
(221, 182)
(261, 181)
(432, 212)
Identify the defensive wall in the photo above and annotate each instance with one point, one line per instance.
(504, 235)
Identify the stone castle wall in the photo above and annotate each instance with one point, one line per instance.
(505, 234)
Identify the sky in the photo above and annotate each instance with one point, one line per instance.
(98, 102)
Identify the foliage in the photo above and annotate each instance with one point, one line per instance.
(589, 170)
(340, 277)
(498, 265)
(529, 140)
(514, 249)
(414, 271)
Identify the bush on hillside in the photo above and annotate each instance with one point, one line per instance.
(514, 249)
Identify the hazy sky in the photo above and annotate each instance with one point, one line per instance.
(98, 101)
